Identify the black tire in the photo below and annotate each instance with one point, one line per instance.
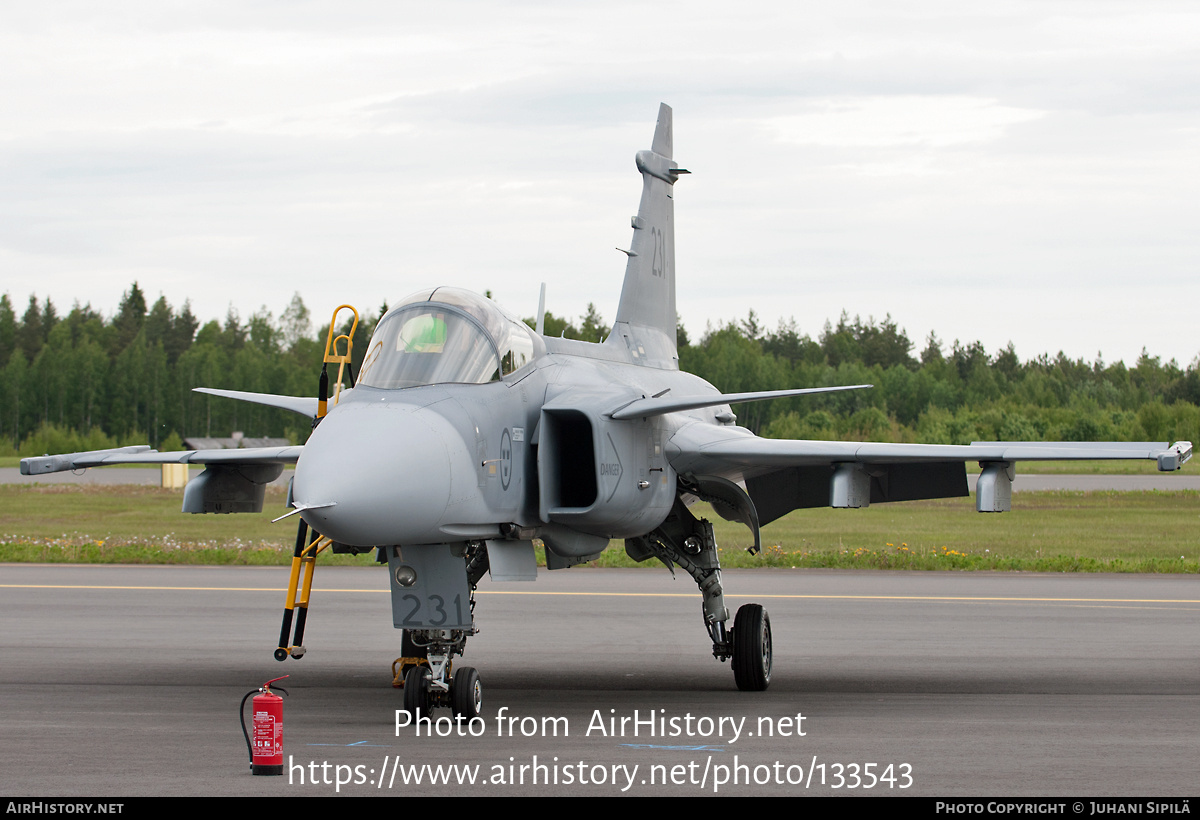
(416, 691)
(466, 693)
(752, 648)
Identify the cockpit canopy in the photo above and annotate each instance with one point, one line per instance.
(445, 336)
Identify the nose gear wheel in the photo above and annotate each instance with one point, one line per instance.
(466, 693)
(418, 698)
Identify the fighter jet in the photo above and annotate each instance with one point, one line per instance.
(468, 436)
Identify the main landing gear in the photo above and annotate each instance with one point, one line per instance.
(689, 542)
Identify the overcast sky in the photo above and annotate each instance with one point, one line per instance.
(992, 171)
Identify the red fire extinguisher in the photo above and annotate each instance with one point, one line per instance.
(266, 749)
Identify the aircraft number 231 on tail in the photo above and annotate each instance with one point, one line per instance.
(468, 435)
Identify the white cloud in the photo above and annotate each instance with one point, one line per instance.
(903, 120)
(922, 158)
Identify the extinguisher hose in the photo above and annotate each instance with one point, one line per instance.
(242, 717)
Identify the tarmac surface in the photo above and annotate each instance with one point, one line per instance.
(123, 681)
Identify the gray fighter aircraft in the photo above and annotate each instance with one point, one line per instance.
(469, 435)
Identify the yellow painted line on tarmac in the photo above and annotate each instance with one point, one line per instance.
(983, 598)
(986, 598)
(161, 589)
(333, 589)
(797, 596)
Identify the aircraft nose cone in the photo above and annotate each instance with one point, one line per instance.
(377, 474)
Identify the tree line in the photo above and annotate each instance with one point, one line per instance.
(86, 381)
(83, 381)
(941, 396)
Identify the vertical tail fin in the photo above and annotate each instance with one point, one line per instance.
(645, 322)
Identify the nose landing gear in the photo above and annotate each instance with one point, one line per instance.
(433, 682)
(433, 601)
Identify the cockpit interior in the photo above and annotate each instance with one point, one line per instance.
(446, 336)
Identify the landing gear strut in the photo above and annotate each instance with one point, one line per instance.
(688, 542)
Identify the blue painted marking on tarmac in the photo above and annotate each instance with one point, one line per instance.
(355, 743)
(675, 748)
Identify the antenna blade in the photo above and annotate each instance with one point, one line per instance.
(541, 317)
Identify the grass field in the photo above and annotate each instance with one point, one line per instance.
(1047, 531)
